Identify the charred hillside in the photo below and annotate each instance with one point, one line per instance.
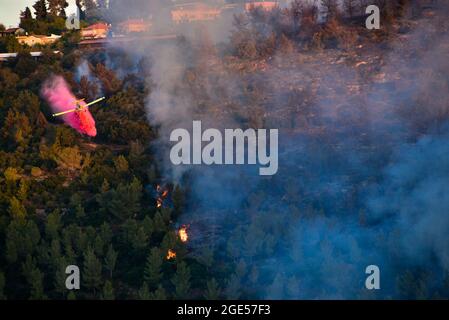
(363, 161)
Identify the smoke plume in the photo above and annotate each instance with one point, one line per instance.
(363, 165)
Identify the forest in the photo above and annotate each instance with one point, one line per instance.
(362, 172)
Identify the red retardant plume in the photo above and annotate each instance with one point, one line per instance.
(58, 95)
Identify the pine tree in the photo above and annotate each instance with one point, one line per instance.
(55, 6)
(144, 292)
(40, 8)
(62, 6)
(21, 239)
(79, 5)
(178, 199)
(134, 234)
(213, 290)
(159, 225)
(60, 278)
(68, 158)
(53, 225)
(140, 238)
(153, 273)
(106, 232)
(181, 281)
(103, 196)
(55, 253)
(26, 15)
(148, 226)
(110, 260)
(169, 241)
(11, 175)
(92, 271)
(159, 294)
(37, 285)
(232, 290)
(121, 164)
(206, 256)
(88, 89)
(16, 209)
(105, 187)
(34, 278)
(124, 201)
(22, 193)
(99, 245)
(108, 291)
(79, 211)
(63, 13)
(108, 78)
(241, 268)
(28, 266)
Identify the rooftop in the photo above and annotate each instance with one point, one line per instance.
(96, 26)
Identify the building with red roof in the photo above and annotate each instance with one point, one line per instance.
(95, 31)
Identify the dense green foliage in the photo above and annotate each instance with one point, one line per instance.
(65, 199)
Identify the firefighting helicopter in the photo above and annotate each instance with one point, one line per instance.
(79, 107)
(80, 118)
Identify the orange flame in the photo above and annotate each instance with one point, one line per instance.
(162, 195)
(171, 254)
(183, 234)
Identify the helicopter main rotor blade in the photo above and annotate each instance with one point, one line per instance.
(94, 102)
(64, 113)
(78, 109)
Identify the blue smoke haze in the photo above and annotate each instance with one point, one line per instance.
(362, 177)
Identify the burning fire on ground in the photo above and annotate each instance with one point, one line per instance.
(171, 254)
(183, 235)
(162, 194)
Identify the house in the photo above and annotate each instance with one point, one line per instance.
(12, 32)
(134, 26)
(33, 40)
(195, 11)
(36, 55)
(95, 31)
(125, 41)
(265, 5)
